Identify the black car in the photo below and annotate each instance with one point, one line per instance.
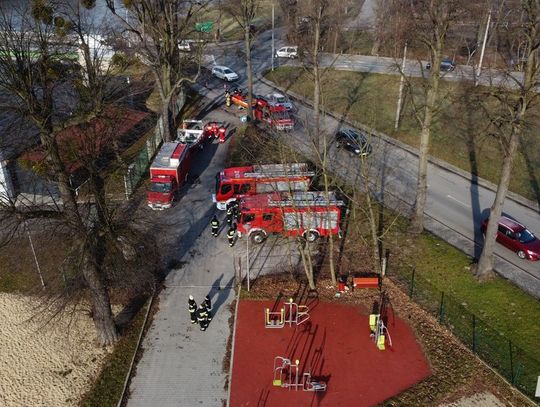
(447, 65)
(353, 141)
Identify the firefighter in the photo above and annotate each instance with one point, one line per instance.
(202, 317)
(214, 223)
(236, 210)
(192, 308)
(230, 213)
(227, 98)
(222, 134)
(208, 305)
(231, 235)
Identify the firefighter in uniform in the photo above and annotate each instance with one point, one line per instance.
(236, 210)
(231, 235)
(230, 213)
(192, 308)
(214, 223)
(202, 317)
(208, 305)
(222, 133)
(227, 98)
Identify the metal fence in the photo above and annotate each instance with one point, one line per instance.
(495, 347)
(142, 160)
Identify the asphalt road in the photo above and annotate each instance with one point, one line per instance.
(455, 204)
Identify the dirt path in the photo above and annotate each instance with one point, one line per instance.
(50, 366)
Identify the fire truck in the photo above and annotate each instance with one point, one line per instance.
(235, 182)
(309, 214)
(275, 116)
(192, 133)
(168, 172)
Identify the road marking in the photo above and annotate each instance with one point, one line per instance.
(458, 201)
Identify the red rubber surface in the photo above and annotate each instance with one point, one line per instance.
(336, 345)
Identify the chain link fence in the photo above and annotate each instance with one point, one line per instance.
(495, 347)
(138, 167)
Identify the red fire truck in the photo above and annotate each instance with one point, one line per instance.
(309, 214)
(275, 116)
(236, 182)
(168, 172)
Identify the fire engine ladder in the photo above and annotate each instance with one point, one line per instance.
(280, 170)
(306, 199)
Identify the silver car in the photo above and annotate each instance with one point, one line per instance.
(224, 73)
(277, 99)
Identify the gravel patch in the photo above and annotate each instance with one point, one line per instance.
(45, 366)
(477, 400)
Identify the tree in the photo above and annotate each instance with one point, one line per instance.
(40, 79)
(160, 27)
(510, 118)
(244, 13)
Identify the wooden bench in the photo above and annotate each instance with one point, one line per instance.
(366, 282)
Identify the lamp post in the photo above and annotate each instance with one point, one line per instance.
(273, 46)
(479, 70)
(401, 84)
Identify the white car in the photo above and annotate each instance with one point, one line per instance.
(225, 73)
(287, 52)
(277, 99)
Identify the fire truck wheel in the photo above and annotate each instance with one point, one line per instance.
(311, 236)
(257, 237)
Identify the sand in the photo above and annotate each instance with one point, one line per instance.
(44, 366)
(477, 400)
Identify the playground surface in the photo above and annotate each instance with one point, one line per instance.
(334, 345)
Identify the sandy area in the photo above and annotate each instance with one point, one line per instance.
(477, 400)
(50, 366)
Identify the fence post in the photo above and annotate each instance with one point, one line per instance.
(441, 308)
(474, 333)
(411, 289)
(511, 362)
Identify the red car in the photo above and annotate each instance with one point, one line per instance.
(516, 237)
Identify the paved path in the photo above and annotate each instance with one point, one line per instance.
(182, 366)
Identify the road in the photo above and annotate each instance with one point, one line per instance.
(455, 204)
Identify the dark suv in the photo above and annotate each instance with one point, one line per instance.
(516, 237)
(447, 65)
(354, 141)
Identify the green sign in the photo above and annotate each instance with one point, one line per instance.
(204, 27)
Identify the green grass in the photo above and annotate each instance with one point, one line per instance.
(500, 304)
(107, 389)
(458, 134)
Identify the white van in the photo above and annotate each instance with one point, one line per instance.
(287, 52)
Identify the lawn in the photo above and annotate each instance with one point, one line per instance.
(458, 135)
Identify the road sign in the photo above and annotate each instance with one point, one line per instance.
(204, 27)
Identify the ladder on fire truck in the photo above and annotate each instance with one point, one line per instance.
(280, 170)
(306, 198)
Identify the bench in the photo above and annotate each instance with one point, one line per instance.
(366, 282)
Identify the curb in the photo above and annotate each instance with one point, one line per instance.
(232, 345)
(527, 203)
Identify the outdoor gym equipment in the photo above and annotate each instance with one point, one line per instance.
(290, 313)
(379, 331)
(287, 375)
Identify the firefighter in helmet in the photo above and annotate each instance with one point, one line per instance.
(192, 308)
(202, 317)
(214, 223)
(227, 98)
(231, 235)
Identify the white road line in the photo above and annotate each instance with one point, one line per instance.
(458, 201)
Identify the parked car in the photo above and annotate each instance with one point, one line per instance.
(353, 141)
(277, 99)
(185, 46)
(287, 52)
(447, 65)
(224, 73)
(516, 237)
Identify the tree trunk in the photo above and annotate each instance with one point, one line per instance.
(249, 71)
(303, 247)
(376, 254)
(330, 237)
(417, 222)
(317, 84)
(166, 119)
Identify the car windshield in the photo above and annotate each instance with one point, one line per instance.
(161, 187)
(227, 70)
(525, 236)
(281, 99)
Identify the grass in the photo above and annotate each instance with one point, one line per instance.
(107, 389)
(458, 134)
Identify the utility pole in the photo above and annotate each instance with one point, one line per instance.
(247, 261)
(479, 70)
(273, 46)
(401, 85)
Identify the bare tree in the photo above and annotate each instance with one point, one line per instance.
(160, 27)
(39, 82)
(244, 13)
(509, 119)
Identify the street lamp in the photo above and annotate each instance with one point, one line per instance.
(273, 46)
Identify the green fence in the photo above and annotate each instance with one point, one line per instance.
(139, 166)
(493, 346)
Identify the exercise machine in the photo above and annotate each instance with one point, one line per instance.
(287, 375)
(291, 313)
(379, 331)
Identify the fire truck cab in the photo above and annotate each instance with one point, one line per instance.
(236, 182)
(308, 214)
